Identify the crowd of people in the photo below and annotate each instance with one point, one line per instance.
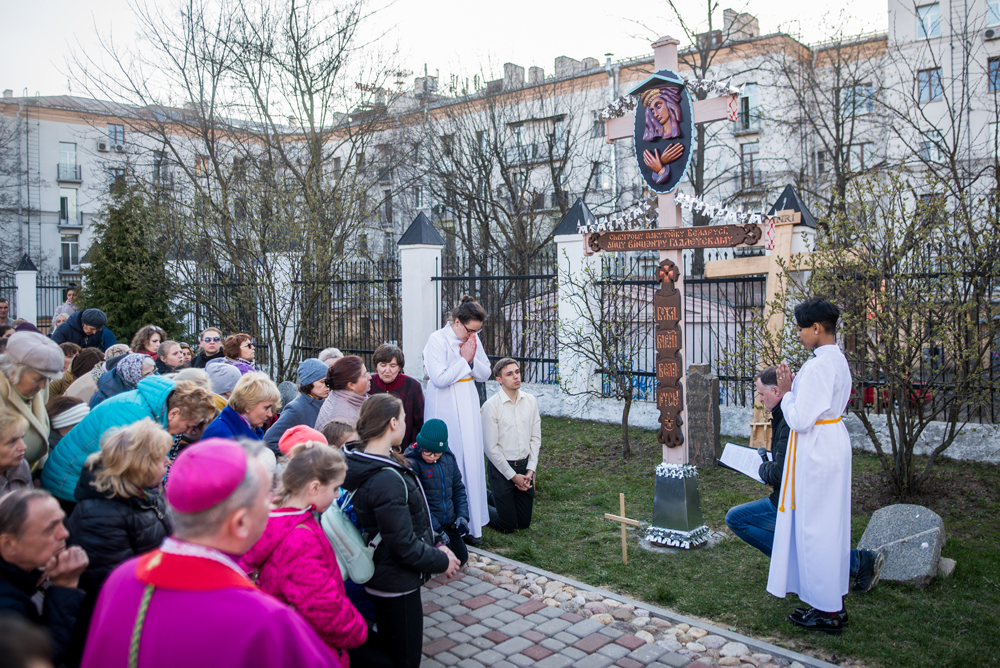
(153, 501)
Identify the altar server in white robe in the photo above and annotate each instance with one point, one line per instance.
(812, 534)
(453, 358)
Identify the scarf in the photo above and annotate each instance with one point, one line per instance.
(130, 370)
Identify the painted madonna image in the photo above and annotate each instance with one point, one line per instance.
(663, 120)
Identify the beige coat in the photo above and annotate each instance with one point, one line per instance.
(82, 388)
(37, 436)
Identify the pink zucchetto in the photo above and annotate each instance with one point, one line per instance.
(205, 474)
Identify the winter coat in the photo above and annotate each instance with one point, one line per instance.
(407, 390)
(149, 399)
(59, 610)
(296, 564)
(201, 360)
(16, 478)
(113, 529)
(770, 472)
(109, 384)
(396, 509)
(83, 388)
(58, 387)
(71, 331)
(33, 410)
(443, 487)
(230, 424)
(303, 409)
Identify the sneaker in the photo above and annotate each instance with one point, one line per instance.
(816, 621)
(870, 565)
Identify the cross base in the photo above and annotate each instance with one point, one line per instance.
(677, 519)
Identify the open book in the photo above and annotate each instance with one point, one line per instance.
(743, 459)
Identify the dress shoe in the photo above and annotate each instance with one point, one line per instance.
(814, 620)
(473, 541)
(870, 565)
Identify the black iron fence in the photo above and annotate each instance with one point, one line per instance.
(520, 296)
(233, 307)
(50, 294)
(356, 313)
(8, 290)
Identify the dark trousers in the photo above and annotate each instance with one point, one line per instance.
(400, 622)
(512, 507)
(456, 544)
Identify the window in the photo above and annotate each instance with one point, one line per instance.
(387, 208)
(518, 131)
(597, 129)
(746, 118)
(361, 161)
(992, 12)
(418, 198)
(993, 68)
(559, 132)
(857, 100)
(602, 172)
(994, 139)
(116, 178)
(201, 165)
(929, 21)
(750, 170)
(822, 162)
(70, 260)
(930, 146)
(161, 168)
(858, 157)
(116, 135)
(67, 206)
(538, 201)
(929, 85)
(67, 162)
(483, 141)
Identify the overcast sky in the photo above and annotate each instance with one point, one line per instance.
(450, 36)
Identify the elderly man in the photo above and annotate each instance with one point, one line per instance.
(86, 329)
(188, 603)
(33, 553)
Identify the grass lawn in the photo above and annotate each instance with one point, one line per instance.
(954, 622)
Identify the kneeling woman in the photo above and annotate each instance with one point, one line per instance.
(389, 502)
(294, 561)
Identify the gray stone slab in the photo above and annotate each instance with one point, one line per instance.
(461, 595)
(515, 628)
(911, 537)
(567, 638)
(480, 589)
(463, 582)
(648, 653)
(585, 628)
(451, 626)
(477, 630)
(592, 661)
(447, 658)
(614, 634)
(483, 643)
(536, 618)
(437, 592)
(441, 616)
(555, 661)
(429, 622)
(553, 626)
(460, 637)
(430, 663)
(517, 599)
(469, 663)
(520, 660)
(489, 657)
(513, 646)
(498, 593)
(551, 612)
(573, 653)
(498, 664)
(507, 616)
(490, 610)
(553, 644)
(506, 603)
(673, 659)
(492, 622)
(456, 610)
(434, 632)
(445, 601)
(613, 651)
(464, 651)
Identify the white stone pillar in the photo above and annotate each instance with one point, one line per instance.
(576, 373)
(26, 279)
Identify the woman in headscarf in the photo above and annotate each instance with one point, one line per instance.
(125, 376)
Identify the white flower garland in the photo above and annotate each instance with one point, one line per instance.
(627, 103)
(633, 218)
(729, 216)
(665, 470)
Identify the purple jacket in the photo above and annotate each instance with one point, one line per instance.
(296, 564)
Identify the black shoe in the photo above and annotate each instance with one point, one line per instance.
(869, 569)
(814, 620)
(473, 541)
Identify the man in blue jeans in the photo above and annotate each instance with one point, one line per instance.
(754, 522)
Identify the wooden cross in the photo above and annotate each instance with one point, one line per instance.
(624, 520)
(671, 239)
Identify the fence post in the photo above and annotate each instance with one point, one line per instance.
(26, 279)
(575, 374)
(419, 257)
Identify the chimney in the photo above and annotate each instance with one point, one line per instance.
(566, 66)
(536, 75)
(737, 27)
(590, 63)
(8, 93)
(513, 76)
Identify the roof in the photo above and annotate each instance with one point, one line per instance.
(420, 231)
(26, 265)
(790, 200)
(656, 80)
(577, 215)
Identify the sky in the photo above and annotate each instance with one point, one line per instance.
(449, 36)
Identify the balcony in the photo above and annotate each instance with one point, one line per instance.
(71, 222)
(531, 153)
(69, 173)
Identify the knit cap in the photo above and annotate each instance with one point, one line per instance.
(223, 376)
(94, 317)
(433, 436)
(311, 370)
(300, 433)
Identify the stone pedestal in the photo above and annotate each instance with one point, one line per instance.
(677, 520)
(703, 416)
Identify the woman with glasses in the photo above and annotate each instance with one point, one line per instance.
(240, 351)
(454, 358)
(211, 348)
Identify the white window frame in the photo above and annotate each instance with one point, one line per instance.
(929, 21)
(69, 251)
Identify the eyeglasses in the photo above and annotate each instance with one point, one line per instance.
(430, 453)
(213, 339)
(247, 344)
(470, 331)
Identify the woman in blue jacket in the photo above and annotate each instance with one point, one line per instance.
(177, 407)
(304, 408)
(251, 406)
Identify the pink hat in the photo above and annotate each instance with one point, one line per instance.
(205, 474)
(299, 434)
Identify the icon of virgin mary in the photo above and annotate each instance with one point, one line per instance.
(663, 119)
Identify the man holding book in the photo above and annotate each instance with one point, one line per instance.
(754, 522)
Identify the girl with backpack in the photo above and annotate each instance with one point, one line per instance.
(294, 561)
(390, 503)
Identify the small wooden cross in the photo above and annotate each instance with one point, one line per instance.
(624, 520)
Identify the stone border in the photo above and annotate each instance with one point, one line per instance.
(668, 615)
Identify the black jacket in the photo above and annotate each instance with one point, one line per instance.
(443, 487)
(406, 557)
(113, 530)
(71, 331)
(201, 360)
(770, 472)
(59, 610)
